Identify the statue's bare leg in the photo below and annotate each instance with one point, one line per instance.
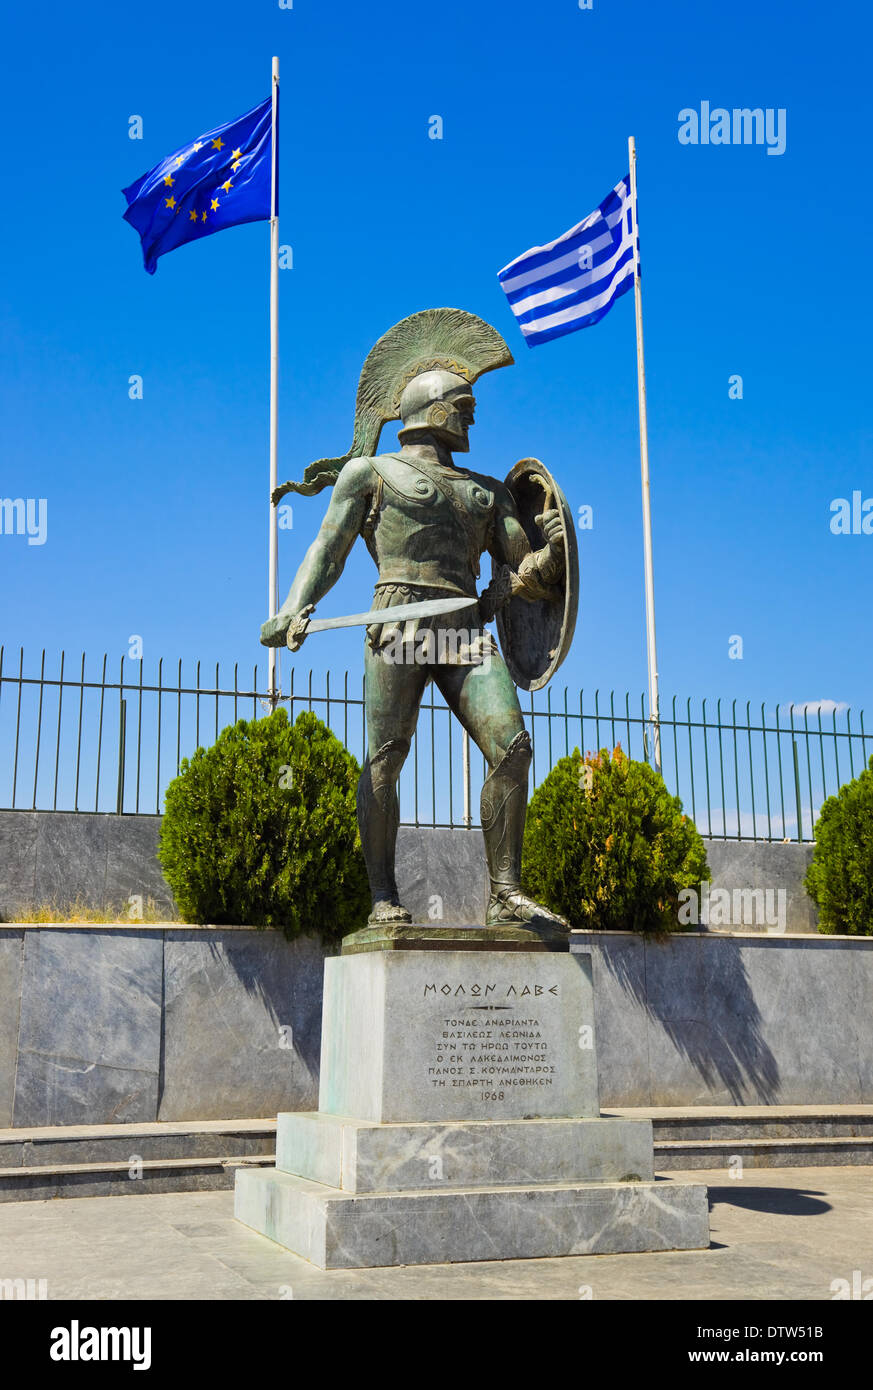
(485, 701)
(393, 695)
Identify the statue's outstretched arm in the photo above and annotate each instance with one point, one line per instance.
(323, 562)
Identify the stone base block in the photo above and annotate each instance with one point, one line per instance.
(359, 1156)
(341, 1230)
(417, 1036)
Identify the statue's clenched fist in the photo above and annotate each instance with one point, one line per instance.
(287, 628)
(549, 523)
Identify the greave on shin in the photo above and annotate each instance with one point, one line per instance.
(503, 809)
(379, 816)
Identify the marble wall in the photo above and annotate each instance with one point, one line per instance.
(777, 869)
(62, 857)
(709, 1019)
(101, 860)
(101, 1025)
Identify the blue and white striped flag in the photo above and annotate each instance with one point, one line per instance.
(574, 281)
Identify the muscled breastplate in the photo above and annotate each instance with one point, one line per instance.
(429, 524)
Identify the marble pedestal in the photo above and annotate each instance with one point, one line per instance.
(458, 1120)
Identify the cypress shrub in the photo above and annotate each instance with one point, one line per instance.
(608, 847)
(840, 878)
(260, 830)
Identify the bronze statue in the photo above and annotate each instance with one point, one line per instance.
(426, 522)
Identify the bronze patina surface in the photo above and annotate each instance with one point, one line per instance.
(429, 936)
(426, 522)
(536, 632)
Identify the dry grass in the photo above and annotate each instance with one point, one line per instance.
(124, 914)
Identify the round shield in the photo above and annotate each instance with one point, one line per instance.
(535, 636)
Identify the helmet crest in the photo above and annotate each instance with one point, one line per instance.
(446, 340)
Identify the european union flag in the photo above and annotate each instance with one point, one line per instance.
(218, 180)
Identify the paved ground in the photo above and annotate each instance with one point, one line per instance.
(776, 1234)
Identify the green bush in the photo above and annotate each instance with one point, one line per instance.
(608, 847)
(840, 878)
(260, 829)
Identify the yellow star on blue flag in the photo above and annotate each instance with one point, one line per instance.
(218, 180)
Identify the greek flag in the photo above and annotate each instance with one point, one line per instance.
(574, 281)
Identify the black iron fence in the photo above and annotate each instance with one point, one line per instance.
(74, 740)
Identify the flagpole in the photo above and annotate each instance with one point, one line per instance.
(654, 711)
(273, 566)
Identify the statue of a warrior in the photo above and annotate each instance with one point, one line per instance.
(426, 522)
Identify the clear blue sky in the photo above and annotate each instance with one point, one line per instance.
(753, 264)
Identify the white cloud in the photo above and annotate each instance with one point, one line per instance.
(817, 707)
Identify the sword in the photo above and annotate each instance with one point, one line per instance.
(428, 608)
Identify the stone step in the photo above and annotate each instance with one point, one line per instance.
(192, 1155)
(343, 1230)
(86, 1144)
(734, 1122)
(811, 1152)
(764, 1136)
(35, 1183)
(361, 1156)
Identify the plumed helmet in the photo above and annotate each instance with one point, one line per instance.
(448, 344)
(428, 403)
